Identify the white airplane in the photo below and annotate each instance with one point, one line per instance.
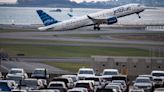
(108, 16)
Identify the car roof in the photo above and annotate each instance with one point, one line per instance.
(16, 69)
(143, 78)
(145, 75)
(110, 70)
(84, 81)
(40, 68)
(77, 89)
(30, 79)
(110, 85)
(157, 71)
(98, 77)
(69, 75)
(7, 81)
(119, 80)
(57, 82)
(85, 69)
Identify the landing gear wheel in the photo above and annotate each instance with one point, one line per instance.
(96, 28)
(138, 15)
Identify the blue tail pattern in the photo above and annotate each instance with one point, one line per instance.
(46, 19)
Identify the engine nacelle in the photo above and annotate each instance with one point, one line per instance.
(111, 20)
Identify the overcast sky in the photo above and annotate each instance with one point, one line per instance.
(78, 1)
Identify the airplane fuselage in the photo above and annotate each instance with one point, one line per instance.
(105, 14)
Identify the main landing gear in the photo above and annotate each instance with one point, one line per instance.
(96, 27)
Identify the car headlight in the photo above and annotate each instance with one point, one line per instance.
(149, 87)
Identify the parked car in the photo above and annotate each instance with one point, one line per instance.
(116, 88)
(7, 85)
(157, 75)
(151, 79)
(31, 84)
(108, 73)
(57, 85)
(40, 73)
(78, 90)
(68, 81)
(158, 82)
(143, 83)
(122, 77)
(123, 84)
(16, 74)
(159, 90)
(86, 84)
(84, 73)
(117, 84)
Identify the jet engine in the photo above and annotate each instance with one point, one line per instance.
(111, 20)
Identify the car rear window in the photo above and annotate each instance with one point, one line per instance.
(62, 80)
(85, 85)
(56, 85)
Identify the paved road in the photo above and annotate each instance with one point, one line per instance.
(50, 36)
(30, 66)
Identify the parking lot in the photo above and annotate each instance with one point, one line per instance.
(86, 80)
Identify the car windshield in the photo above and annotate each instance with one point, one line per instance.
(15, 71)
(142, 81)
(113, 87)
(110, 73)
(85, 85)
(62, 80)
(158, 74)
(119, 82)
(86, 72)
(55, 85)
(94, 79)
(29, 83)
(39, 72)
(15, 78)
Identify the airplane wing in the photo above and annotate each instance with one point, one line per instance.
(110, 20)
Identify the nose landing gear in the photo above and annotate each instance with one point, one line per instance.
(138, 15)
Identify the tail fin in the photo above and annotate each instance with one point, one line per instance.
(46, 19)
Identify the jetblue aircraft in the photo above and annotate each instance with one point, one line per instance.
(108, 16)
